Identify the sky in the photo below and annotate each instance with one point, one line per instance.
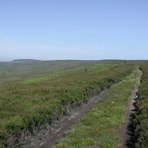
(73, 29)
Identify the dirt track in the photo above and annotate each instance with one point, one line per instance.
(124, 131)
(47, 139)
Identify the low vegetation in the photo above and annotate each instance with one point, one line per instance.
(27, 69)
(141, 119)
(26, 107)
(97, 67)
(99, 127)
(40, 79)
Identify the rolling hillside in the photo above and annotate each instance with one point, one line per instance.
(23, 69)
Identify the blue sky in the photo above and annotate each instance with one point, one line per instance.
(73, 29)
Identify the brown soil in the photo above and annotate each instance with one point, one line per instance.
(124, 131)
(48, 138)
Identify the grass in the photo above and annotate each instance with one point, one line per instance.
(34, 69)
(99, 127)
(36, 80)
(26, 107)
(91, 68)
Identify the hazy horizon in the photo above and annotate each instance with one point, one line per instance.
(74, 60)
(84, 30)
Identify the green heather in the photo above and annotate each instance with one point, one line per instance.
(25, 107)
(99, 127)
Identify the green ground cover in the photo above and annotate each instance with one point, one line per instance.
(99, 127)
(36, 80)
(28, 106)
(141, 119)
(89, 68)
(34, 69)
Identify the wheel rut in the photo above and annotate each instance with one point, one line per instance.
(125, 132)
(57, 131)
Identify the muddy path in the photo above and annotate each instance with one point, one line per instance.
(125, 132)
(56, 132)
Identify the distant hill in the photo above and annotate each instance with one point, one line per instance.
(25, 60)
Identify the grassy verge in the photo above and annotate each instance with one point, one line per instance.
(27, 107)
(99, 127)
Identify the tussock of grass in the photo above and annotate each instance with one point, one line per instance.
(98, 128)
